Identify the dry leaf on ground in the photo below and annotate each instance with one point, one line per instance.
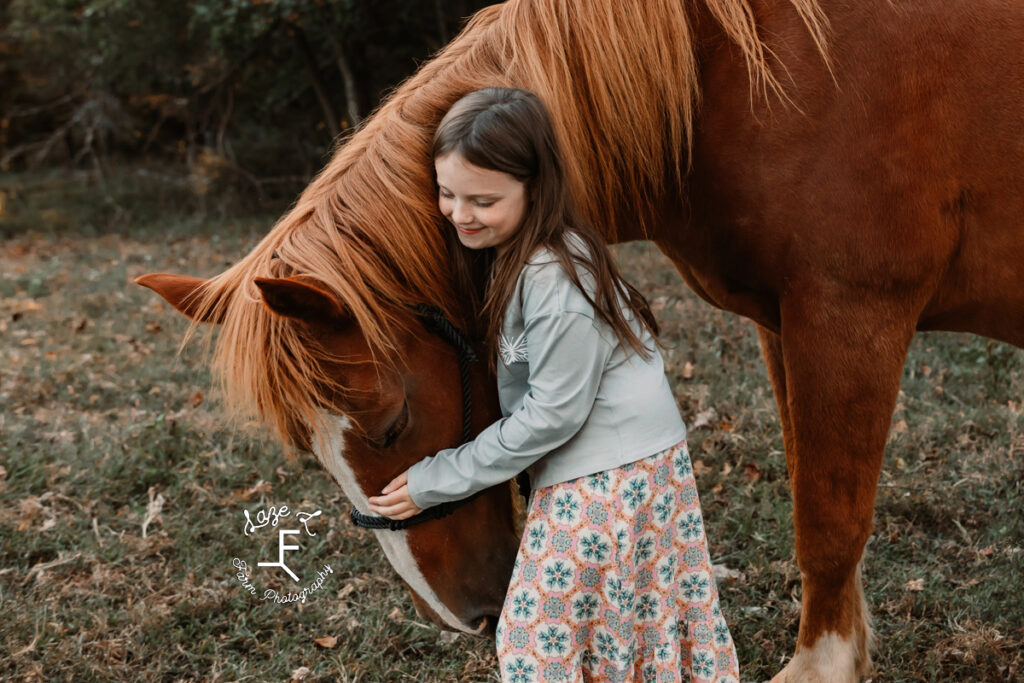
(705, 418)
(724, 574)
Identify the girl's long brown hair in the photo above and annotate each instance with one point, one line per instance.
(509, 130)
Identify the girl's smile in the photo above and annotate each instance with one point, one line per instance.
(486, 207)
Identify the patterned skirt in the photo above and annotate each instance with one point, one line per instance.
(613, 582)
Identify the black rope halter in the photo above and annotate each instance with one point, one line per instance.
(434, 320)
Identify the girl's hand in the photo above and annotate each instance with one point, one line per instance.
(394, 501)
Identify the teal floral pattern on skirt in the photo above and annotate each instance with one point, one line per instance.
(613, 582)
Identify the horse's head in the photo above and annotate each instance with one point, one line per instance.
(373, 419)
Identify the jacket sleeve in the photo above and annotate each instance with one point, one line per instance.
(567, 355)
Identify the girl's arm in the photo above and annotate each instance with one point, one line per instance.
(567, 355)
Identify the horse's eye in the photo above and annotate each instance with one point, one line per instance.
(397, 427)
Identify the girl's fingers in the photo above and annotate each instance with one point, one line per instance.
(401, 510)
(395, 505)
(398, 496)
(396, 483)
(405, 515)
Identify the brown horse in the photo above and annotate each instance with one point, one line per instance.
(841, 173)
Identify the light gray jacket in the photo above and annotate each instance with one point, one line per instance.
(574, 401)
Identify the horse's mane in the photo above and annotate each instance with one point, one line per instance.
(368, 226)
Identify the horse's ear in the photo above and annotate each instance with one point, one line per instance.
(301, 299)
(181, 292)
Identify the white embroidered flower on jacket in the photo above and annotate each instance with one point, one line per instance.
(512, 351)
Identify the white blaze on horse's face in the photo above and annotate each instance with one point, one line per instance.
(330, 451)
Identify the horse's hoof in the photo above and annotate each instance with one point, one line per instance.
(830, 660)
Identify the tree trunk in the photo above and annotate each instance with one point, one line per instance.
(316, 78)
(442, 30)
(351, 99)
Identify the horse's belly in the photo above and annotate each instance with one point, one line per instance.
(714, 284)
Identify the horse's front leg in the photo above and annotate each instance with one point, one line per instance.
(836, 371)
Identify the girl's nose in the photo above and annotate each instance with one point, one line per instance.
(461, 212)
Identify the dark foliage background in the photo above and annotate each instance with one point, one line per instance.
(244, 94)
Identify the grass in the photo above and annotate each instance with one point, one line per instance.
(101, 419)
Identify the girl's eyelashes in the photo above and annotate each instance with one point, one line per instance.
(482, 203)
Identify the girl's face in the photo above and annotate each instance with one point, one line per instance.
(486, 207)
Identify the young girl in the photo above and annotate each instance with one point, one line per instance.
(613, 580)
